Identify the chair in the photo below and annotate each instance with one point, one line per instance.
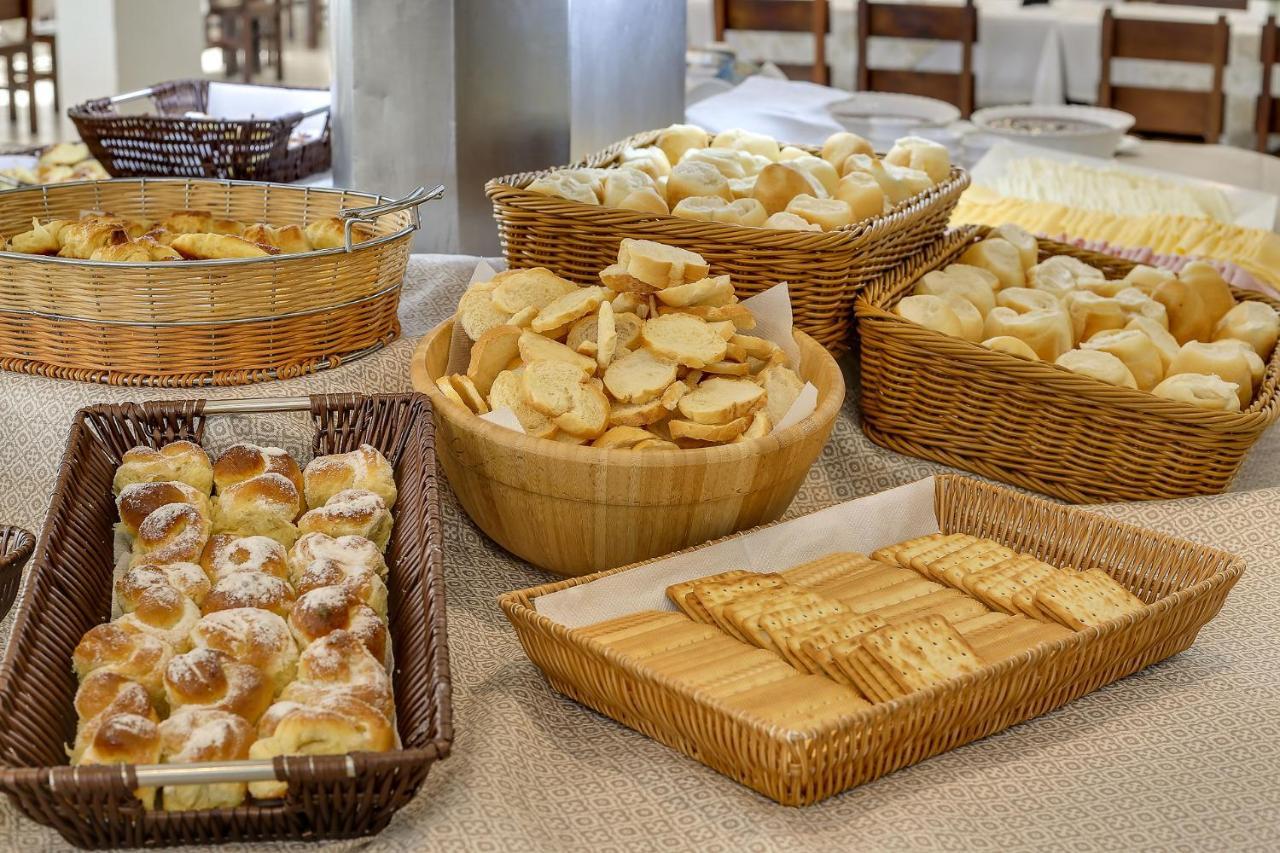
(242, 26)
(1166, 112)
(1268, 117)
(795, 16)
(19, 13)
(925, 23)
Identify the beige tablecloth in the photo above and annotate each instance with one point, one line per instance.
(1180, 757)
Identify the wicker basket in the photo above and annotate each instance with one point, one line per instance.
(70, 592)
(574, 509)
(223, 322)
(1184, 583)
(824, 270)
(16, 545)
(1036, 425)
(166, 143)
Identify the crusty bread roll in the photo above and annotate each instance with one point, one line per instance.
(1103, 287)
(818, 169)
(562, 184)
(256, 637)
(1022, 239)
(361, 582)
(173, 533)
(340, 661)
(1024, 299)
(239, 462)
(355, 552)
(1135, 349)
(1045, 330)
(362, 468)
(699, 207)
(208, 247)
(250, 589)
(126, 651)
(1061, 274)
(973, 289)
(1138, 304)
(826, 213)
(208, 678)
(1166, 345)
(1188, 316)
(1222, 359)
(901, 183)
(165, 614)
(204, 734)
(839, 146)
(651, 160)
(739, 139)
(921, 154)
(742, 187)
(784, 221)
(620, 183)
(778, 183)
(1147, 278)
(865, 163)
(695, 178)
(265, 505)
(326, 609)
(188, 579)
(932, 312)
(228, 553)
(1215, 293)
(1204, 391)
(742, 211)
(138, 500)
(1099, 365)
(178, 460)
(1091, 314)
(971, 319)
(679, 138)
(101, 696)
(1257, 367)
(1011, 346)
(1255, 323)
(126, 739)
(730, 163)
(353, 512)
(862, 193)
(999, 257)
(644, 201)
(289, 239)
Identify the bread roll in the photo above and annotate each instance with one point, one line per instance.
(138, 500)
(622, 182)
(866, 164)
(339, 660)
(1257, 367)
(1024, 299)
(174, 533)
(165, 614)
(1164, 342)
(1047, 330)
(1061, 274)
(362, 468)
(239, 462)
(126, 739)
(862, 193)
(1222, 359)
(250, 589)
(818, 169)
(742, 187)
(901, 184)
(1203, 391)
(1135, 349)
(826, 213)
(1138, 304)
(644, 201)
(727, 162)
(178, 460)
(1091, 314)
(256, 637)
(1011, 346)
(977, 274)
(1255, 323)
(289, 239)
(1188, 317)
(326, 609)
(207, 678)
(265, 505)
(839, 146)
(940, 283)
(560, 185)
(186, 578)
(778, 183)
(999, 257)
(42, 239)
(679, 138)
(127, 652)
(354, 512)
(1215, 293)
(1102, 366)
(1147, 278)
(699, 207)
(204, 734)
(361, 582)
(354, 552)
(101, 696)
(745, 140)
(971, 319)
(227, 553)
(651, 160)
(743, 211)
(923, 155)
(784, 221)
(791, 152)
(1023, 240)
(696, 179)
(932, 312)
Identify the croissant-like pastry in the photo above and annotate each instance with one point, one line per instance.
(289, 239)
(142, 250)
(206, 247)
(328, 233)
(42, 239)
(200, 222)
(83, 238)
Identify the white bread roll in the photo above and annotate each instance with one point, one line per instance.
(724, 161)
(1046, 331)
(699, 207)
(739, 139)
(1103, 287)
(1223, 359)
(818, 169)
(565, 185)
(696, 179)
(743, 211)
(839, 146)
(1011, 346)
(1102, 366)
(1188, 317)
(784, 221)
(1146, 278)
(999, 257)
(1061, 274)
(1135, 349)
(864, 163)
(1024, 299)
(1255, 323)
(921, 154)
(679, 138)
(1164, 342)
(1214, 292)
(742, 187)
(1022, 239)
(971, 320)
(826, 213)
(645, 201)
(620, 183)
(901, 183)
(790, 152)
(978, 274)
(778, 183)
(932, 312)
(1138, 304)
(862, 193)
(1204, 391)
(651, 160)
(1091, 313)
(977, 292)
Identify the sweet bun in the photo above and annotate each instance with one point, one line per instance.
(250, 589)
(839, 146)
(341, 661)
(818, 169)
(1046, 330)
(1091, 313)
(326, 609)
(1024, 299)
(1011, 346)
(207, 678)
(240, 462)
(256, 637)
(188, 579)
(204, 734)
(165, 614)
(679, 138)
(360, 582)
(932, 312)
(362, 468)
(1164, 342)
(1204, 391)
(227, 553)
(921, 154)
(784, 221)
(1135, 349)
(138, 500)
(125, 651)
(353, 512)
(651, 160)
(103, 695)
(739, 139)
(1102, 366)
(1223, 359)
(778, 183)
(1255, 323)
(178, 460)
(826, 213)
(354, 552)
(1022, 239)
(691, 179)
(126, 739)
(862, 193)
(940, 283)
(173, 533)
(265, 505)
(999, 257)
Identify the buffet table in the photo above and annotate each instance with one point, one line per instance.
(1182, 754)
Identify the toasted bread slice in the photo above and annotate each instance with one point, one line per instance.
(719, 400)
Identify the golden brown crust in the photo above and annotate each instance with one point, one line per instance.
(326, 609)
(138, 500)
(354, 512)
(243, 461)
(250, 589)
(209, 678)
(227, 553)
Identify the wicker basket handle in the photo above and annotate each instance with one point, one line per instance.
(352, 215)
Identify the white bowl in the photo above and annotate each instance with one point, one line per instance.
(1093, 131)
(883, 117)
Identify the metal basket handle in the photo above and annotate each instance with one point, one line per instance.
(352, 215)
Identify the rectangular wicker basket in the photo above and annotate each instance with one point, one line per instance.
(70, 591)
(825, 270)
(1036, 425)
(1184, 584)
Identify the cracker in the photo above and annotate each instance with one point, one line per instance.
(990, 619)
(816, 647)
(714, 596)
(736, 618)
(864, 672)
(920, 560)
(1028, 579)
(800, 701)
(918, 653)
(680, 594)
(1000, 588)
(950, 604)
(863, 580)
(885, 596)
(976, 583)
(952, 568)
(1081, 600)
(781, 624)
(724, 684)
(630, 625)
(712, 650)
(664, 639)
(889, 553)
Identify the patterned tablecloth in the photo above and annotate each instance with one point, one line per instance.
(1179, 757)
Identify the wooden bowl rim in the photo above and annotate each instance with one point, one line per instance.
(824, 413)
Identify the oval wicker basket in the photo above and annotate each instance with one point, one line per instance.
(573, 510)
(825, 270)
(1036, 425)
(189, 323)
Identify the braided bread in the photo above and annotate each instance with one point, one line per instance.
(208, 678)
(355, 552)
(354, 512)
(363, 468)
(174, 533)
(165, 614)
(139, 500)
(340, 662)
(103, 695)
(256, 637)
(243, 461)
(178, 460)
(251, 589)
(227, 553)
(125, 739)
(126, 651)
(204, 734)
(359, 582)
(187, 578)
(322, 611)
(265, 505)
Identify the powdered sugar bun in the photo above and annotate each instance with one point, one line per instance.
(227, 553)
(354, 552)
(173, 533)
(326, 609)
(256, 637)
(250, 589)
(354, 512)
(363, 468)
(240, 462)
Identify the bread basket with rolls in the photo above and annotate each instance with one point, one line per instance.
(809, 226)
(190, 282)
(200, 658)
(1076, 374)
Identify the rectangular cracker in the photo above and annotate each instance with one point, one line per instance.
(680, 594)
(1019, 635)
(1081, 600)
(889, 553)
(866, 581)
(921, 652)
(714, 596)
(816, 649)
(977, 583)
(989, 619)
(949, 544)
(950, 604)
(622, 627)
(889, 595)
(870, 676)
(825, 569)
(663, 639)
(952, 568)
(712, 650)
(782, 623)
(733, 616)
(1000, 590)
(1024, 600)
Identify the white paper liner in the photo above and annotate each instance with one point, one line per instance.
(243, 101)
(772, 310)
(861, 525)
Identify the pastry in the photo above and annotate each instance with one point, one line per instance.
(81, 239)
(207, 678)
(256, 637)
(242, 461)
(362, 468)
(136, 501)
(837, 148)
(361, 582)
(126, 739)
(218, 246)
(173, 533)
(352, 512)
(1102, 366)
(165, 614)
(289, 239)
(1200, 390)
(323, 610)
(200, 222)
(264, 505)
(354, 552)
(178, 460)
(340, 661)
(125, 651)
(250, 589)
(188, 579)
(227, 553)
(103, 695)
(199, 734)
(330, 233)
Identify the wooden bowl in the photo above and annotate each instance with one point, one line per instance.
(573, 509)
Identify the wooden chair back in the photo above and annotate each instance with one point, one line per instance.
(1206, 4)
(788, 16)
(1166, 112)
(925, 22)
(1268, 114)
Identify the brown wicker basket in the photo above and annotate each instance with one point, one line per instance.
(824, 270)
(16, 545)
(1184, 584)
(223, 322)
(1036, 425)
(167, 143)
(70, 592)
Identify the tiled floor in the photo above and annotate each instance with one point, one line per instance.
(303, 67)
